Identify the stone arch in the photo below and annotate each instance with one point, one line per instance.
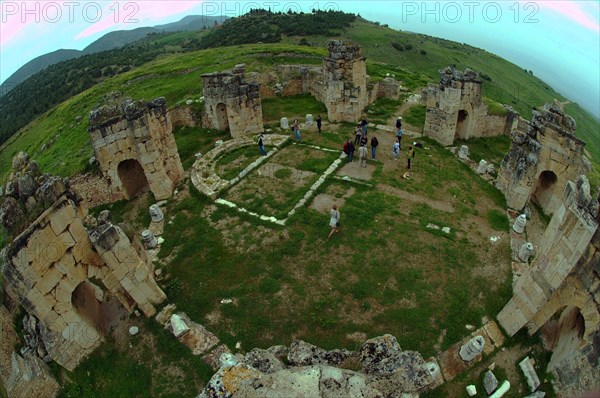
(564, 333)
(545, 187)
(462, 125)
(222, 117)
(133, 178)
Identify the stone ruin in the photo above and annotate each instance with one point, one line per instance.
(455, 109)
(66, 269)
(544, 155)
(305, 370)
(345, 80)
(134, 145)
(560, 292)
(232, 103)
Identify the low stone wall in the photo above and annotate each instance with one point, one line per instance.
(183, 116)
(204, 176)
(94, 190)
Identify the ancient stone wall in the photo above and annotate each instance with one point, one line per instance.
(345, 80)
(93, 190)
(543, 156)
(455, 109)
(232, 103)
(564, 278)
(134, 145)
(183, 116)
(52, 260)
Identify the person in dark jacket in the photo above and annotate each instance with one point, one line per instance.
(374, 144)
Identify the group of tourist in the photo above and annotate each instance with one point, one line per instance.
(361, 139)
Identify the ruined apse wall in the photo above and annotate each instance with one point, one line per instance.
(455, 109)
(53, 261)
(232, 103)
(543, 156)
(134, 145)
(565, 274)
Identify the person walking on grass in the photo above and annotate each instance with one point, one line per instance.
(319, 122)
(334, 220)
(410, 155)
(399, 133)
(363, 125)
(297, 130)
(374, 143)
(399, 123)
(261, 145)
(396, 150)
(362, 155)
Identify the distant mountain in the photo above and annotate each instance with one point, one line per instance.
(117, 39)
(109, 41)
(36, 65)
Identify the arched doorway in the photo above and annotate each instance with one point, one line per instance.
(132, 176)
(222, 120)
(544, 190)
(563, 334)
(97, 307)
(462, 125)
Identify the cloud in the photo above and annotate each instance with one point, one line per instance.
(136, 13)
(583, 13)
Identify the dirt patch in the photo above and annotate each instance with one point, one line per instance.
(435, 204)
(353, 170)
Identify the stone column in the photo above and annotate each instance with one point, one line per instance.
(156, 213)
(471, 349)
(482, 168)
(284, 123)
(519, 225)
(525, 251)
(149, 239)
(309, 119)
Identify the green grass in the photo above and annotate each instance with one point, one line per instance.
(492, 149)
(382, 109)
(495, 108)
(191, 140)
(293, 107)
(497, 220)
(415, 116)
(232, 163)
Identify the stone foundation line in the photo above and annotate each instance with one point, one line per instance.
(311, 191)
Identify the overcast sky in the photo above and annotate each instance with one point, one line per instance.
(558, 40)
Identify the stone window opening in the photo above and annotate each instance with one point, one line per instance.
(462, 124)
(222, 120)
(133, 179)
(544, 189)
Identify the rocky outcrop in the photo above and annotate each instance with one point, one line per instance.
(312, 372)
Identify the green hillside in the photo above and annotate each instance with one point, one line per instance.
(415, 59)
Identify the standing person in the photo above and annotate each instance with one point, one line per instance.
(297, 130)
(362, 155)
(319, 122)
(399, 136)
(334, 220)
(399, 123)
(351, 150)
(410, 154)
(364, 140)
(374, 144)
(261, 145)
(396, 150)
(357, 134)
(363, 124)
